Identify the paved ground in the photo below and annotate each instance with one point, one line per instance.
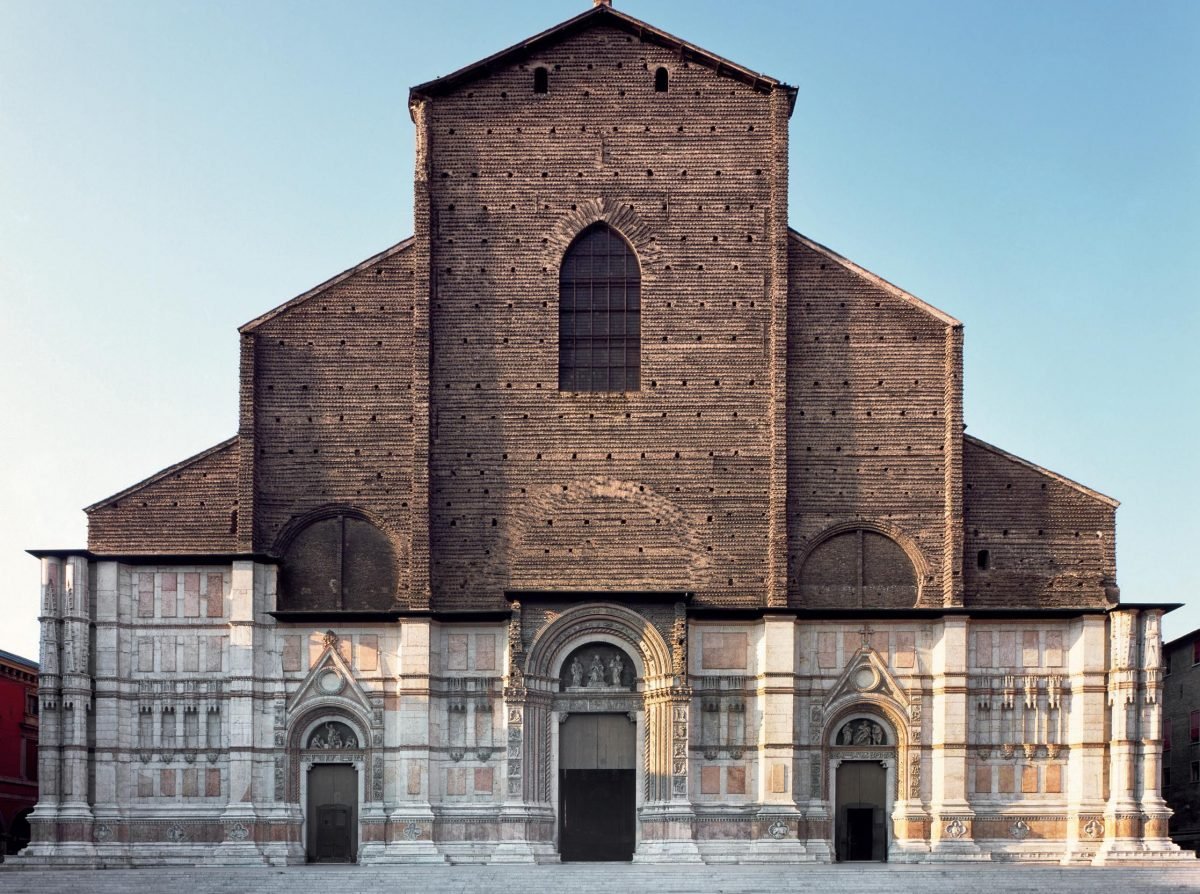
(610, 878)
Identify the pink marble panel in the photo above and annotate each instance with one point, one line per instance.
(456, 651)
(145, 605)
(367, 658)
(169, 594)
(291, 653)
(191, 595)
(485, 651)
(215, 596)
(827, 649)
(1029, 648)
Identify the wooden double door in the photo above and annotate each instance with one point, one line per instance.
(862, 808)
(597, 788)
(332, 814)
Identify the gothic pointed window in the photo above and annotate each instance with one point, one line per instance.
(599, 314)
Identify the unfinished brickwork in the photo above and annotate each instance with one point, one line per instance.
(774, 574)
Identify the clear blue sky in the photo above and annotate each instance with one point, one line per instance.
(169, 170)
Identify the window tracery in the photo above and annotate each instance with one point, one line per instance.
(599, 314)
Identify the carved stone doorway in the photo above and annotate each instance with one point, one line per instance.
(861, 819)
(597, 788)
(332, 813)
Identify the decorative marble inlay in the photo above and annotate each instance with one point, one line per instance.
(956, 829)
(1094, 829)
(176, 834)
(411, 832)
(777, 829)
(1019, 830)
(103, 833)
(238, 832)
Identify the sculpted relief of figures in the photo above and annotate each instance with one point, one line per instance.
(598, 666)
(333, 736)
(861, 732)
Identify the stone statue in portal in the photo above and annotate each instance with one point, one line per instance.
(615, 667)
(596, 672)
(576, 671)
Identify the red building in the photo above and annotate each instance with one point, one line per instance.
(18, 749)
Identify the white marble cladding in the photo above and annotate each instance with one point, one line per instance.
(177, 713)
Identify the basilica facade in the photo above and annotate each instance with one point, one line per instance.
(605, 518)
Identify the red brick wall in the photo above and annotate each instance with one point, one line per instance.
(1049, 543)
(867, 405)
(663, 488)
(187, 509)
(331, 422)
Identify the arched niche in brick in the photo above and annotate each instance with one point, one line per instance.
(336, 559)
(859, 566)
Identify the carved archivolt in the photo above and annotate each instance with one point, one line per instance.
(603, 622)
(874, 721)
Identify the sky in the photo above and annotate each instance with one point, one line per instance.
(169, 170)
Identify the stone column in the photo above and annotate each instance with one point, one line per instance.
(526, 817)
(75, 812)
(410, 817)
(1085, 737)
(951, 835)
(1122, 813)
(113, 663)
(1155, 811)
(43, 820)
(667, 818)
(780, 819)
(240, 702)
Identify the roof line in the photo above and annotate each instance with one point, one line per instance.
(333, 281)
(878, 280)
(643, 30)
(158, 476)
(1061, 479)
(17, 659)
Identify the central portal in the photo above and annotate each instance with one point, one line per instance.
(597, 786)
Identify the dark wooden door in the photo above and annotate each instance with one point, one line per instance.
(597, 785)
(332, 813)
(862, 808)
(859, 833)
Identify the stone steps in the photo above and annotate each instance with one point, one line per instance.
(601, 878)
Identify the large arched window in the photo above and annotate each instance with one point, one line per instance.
(599, 314)
(338, 563)
(858, 569)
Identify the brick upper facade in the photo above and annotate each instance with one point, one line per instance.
(785, 392)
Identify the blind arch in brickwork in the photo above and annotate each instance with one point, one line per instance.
(859, 566)
(336, 559)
